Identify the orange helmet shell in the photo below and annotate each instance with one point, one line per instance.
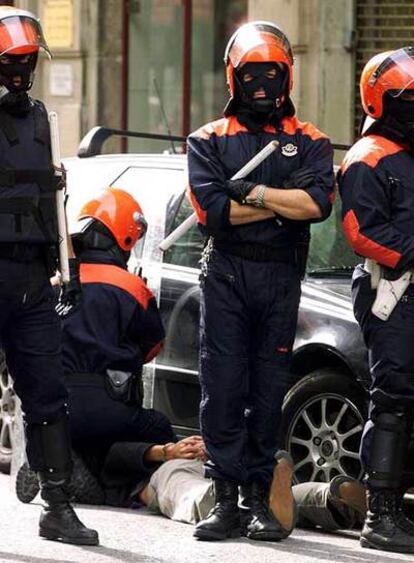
(120, 213)
(20, 32)
(385, 72)
(257, 42)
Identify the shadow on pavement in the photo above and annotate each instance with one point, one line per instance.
(324, 552)
(30, 558)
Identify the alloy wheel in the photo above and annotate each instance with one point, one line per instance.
(324, 439)
(7, 411)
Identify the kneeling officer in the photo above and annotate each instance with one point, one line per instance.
(29, 326)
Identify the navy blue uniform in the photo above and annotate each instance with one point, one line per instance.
(250, 290)
(29, 325)
(375, 184)
(117, 326)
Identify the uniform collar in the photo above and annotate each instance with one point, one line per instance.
(100, 257)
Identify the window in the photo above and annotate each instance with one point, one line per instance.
(156, 57)
(187, 250)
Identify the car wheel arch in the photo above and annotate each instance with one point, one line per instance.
(311, 357)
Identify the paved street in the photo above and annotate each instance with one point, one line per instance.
(136, 536)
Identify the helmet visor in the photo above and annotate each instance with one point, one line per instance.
(20, 35)
(252, 37)
(396, 72)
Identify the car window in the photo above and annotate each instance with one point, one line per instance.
(187, 250)
(329, 248)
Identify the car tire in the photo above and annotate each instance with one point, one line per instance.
(7, 415)
(322, 421)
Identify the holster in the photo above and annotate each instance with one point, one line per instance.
(124, 386)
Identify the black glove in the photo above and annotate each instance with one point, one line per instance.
(71, 292)
(239, 190)
(300, 178)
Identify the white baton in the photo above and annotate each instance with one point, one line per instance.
(60, 202)
(242, 173)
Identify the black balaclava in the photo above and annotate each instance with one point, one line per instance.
(397, 122)
(256, 113)
(15, 99)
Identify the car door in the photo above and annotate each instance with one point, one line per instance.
(177, 390)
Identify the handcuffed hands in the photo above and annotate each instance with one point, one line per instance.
(188, 448)
(300, 178)
(71, 292)
(238, 190)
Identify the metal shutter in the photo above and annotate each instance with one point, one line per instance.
(381, 25)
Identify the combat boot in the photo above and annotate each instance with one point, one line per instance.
(258, 521)
(58, 520)
(386, 526)
(223, 520)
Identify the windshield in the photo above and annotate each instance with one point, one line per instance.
(329, 249)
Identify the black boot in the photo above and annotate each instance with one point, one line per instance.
(58, 520)
(224, 520)
(258, 521)
(386, 526)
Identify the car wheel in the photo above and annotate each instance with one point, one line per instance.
(322, 423)
(7, 414)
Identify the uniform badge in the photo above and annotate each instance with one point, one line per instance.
(289, 149)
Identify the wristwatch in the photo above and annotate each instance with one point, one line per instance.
(258, 201)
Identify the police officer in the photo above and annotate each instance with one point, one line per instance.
(112, 332)
(29, 326)
(258, 231)
(375, 183)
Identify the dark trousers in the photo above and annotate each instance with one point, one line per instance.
(248, 322)
(391, 355)
(97, 421)
(30, 339)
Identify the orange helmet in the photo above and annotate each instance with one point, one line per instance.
(20, 32)
(121, 215)
(257, 42)
(392, 72)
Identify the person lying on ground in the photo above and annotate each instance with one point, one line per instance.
(116, 478)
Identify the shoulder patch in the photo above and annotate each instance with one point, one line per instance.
(117, 277)
(370, 150)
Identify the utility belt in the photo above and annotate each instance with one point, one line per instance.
(22, 252)
(258, 252)
(124, 386)
(389, 291)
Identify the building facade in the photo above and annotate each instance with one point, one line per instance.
(157, 65)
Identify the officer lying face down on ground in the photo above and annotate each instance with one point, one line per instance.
(257, 234)
(376, 186)
(29, 326)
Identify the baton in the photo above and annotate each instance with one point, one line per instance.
(60, 202)
(242, 173)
